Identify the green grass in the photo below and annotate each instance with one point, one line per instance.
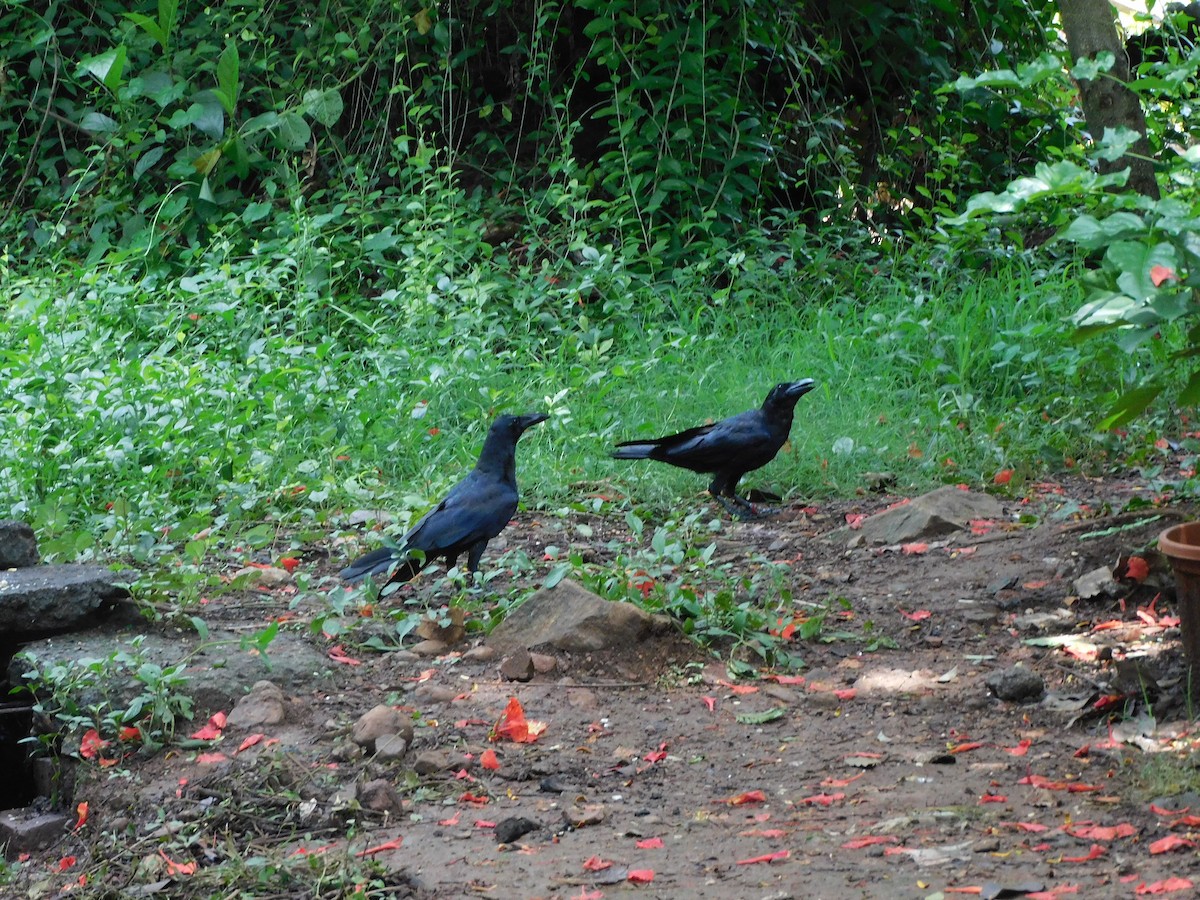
(140, 411)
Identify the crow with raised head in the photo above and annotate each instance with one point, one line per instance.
(730, 448)
(474, 512)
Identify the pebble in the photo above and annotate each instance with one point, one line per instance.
(480, 653)
(582, 816)
(426, 649)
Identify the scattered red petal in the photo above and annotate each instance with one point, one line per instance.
(488, 760)
(468, 797)
(81, 814)
(786, 679)
(513, 725)
(65, 863)
(916, 615)
(289, 563)
(1167, 886)
(484, 823)
(710, 702)
(653, 843)
(1033, 827)
(744, 798)
(1004, 476)
(767, 858)
(435, 431)
(1169, 843)
(821, 799)
(846, 693)
(1053, 893)
(914, 549)
(1095, 853)
(870, 841)
(91, 744)
(993, 798)
(250, 741)
(337, 653)
(1021, 749)
(206, 759)
(393, 844)
(966, 747)
(641, 876)
(763, 832)
(980, 527)
(842, 782)
(174, 868)
(1102, 832)
(1034, 585)
(1136, 569)
(453, 820)
(1160, 273)
(596, 864)
(855, 520)
(129, 733)
(212, 730)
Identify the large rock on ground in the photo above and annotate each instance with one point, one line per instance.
(39, 601)
(570, 618)
(933, 515)
(18, 546)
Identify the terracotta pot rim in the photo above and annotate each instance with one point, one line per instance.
(1181, 541)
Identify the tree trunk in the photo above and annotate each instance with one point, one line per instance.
(1108, 102)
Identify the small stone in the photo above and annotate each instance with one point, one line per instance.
(430, 762)
(1016, 684)
(480, 653)
(543, 663)
(390, 747)
(781, 693)
(511, 829)
(582, 816)
(18, 545)
(434, 693)
(263, 706)
(518, 666)
(269, 576)
(380, 796)
(368, 517)
(1096, 583)
(582, 698)
(430, 648)
(377, 722)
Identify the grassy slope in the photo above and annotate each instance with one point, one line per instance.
(135, 407)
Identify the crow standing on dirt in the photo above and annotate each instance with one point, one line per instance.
(729, 448)
(474, 512)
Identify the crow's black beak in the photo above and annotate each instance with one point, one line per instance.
(531, 419)
(800, 388)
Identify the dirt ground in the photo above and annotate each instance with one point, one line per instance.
(885, 768)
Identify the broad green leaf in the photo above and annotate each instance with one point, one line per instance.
(1092, 233)
(1190, 395)
(227, 76)
(1115, 143)
(324, 106)
(98, 123)
(759, 718)
(149, 26)
(206, 191)
(256, 211)
(1111, 309)
(146, 160)
(294, 132)
(107, 68)
(263, 122)
(1134, 260)
(206, 162)
(423, 22)
(1130, 406)
(208, 114)
(1089, 69)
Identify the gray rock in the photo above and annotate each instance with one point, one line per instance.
(481, 653)
(378, 721)
(1096, 583)
(430, 762)
(18, 545)
(430, 648)
(570, 618)
(517, 666)
(514, 828)
(262, 707)
(390, 747)
(380, 796)
(543, 663)
(582, 816)
(22, 830)
(938, 513)
(1016, 684)
(39, 601)
(434, 693)
(269, 577)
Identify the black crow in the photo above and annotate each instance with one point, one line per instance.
(474, 512)
(729, 448)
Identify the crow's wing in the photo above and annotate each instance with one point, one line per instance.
(476, 509)
(711, 447)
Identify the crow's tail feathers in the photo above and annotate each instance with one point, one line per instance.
(635, 450)
(379, 562)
